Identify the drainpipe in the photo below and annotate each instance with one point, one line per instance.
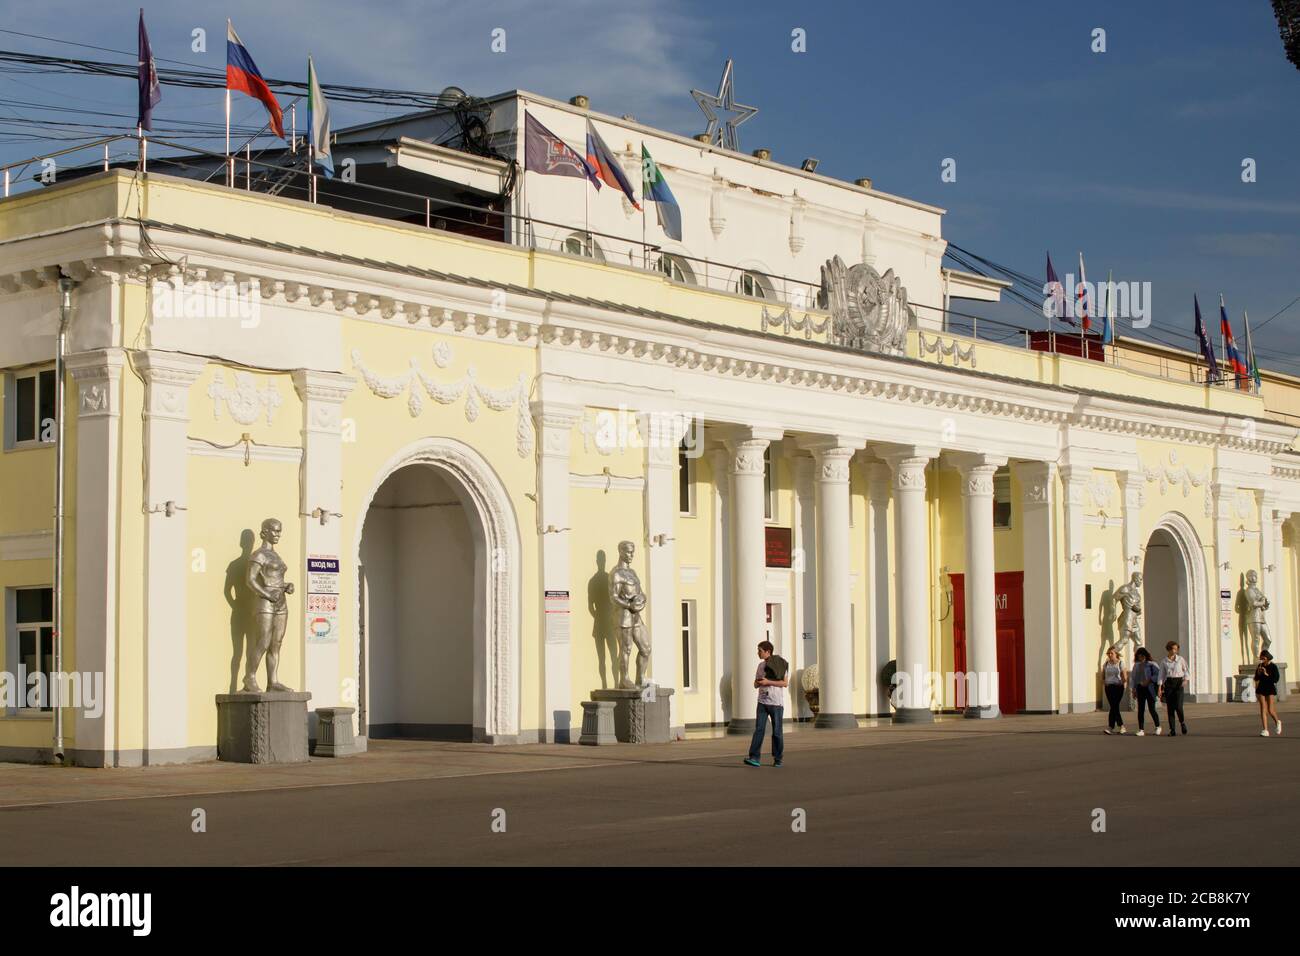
(66, 285)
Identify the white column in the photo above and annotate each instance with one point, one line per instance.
(878, 586)
(805, 579)
(168, 377)
(912, 558)
(661, 565)
(320, 505)
(719, 648)
(1132, 485)
(1037, 481)
(831, 457)
(1224, 494)
(981, 616)
(554, 429)
(1081, 683)
(1271, 577)
(95, 492)
(749, 570)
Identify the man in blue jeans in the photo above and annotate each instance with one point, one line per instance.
(771, 703)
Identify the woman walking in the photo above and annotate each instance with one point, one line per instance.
(1266, 678)
(1145, 681)
(1174, 673)
(1114, 677)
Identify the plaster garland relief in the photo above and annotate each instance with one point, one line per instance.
(245, 401)
(476, 394)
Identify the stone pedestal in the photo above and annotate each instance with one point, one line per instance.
(640, 717)
(597, 723)
(262, 728)
(334, 737)
(1245, 678)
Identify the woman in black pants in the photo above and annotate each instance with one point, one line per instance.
(1145, 681)
(1266, 678)
(1113, 678)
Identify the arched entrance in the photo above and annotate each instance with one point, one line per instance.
(438, 600)
(1174, 596)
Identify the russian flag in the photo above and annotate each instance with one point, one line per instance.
(243, 75)
(605, 165)
(1236, 360)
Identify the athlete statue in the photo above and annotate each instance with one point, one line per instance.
(269, 610)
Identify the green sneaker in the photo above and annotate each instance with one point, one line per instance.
(776, 763)
(752, 762)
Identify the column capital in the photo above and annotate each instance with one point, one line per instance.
(908, 463)
(98, 375)
(168, 377)
(1036, 479)
(555, 422)
(330, 388)
(831, 455)
(976, 470)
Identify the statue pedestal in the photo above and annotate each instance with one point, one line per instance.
(597, 723)
(1245, 678)
(637, 719)
(262, 728)
(334, 737)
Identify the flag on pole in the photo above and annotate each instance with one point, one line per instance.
(1056, 293)
(1108, 319)
(546, 153)
(654, 188)
(1231, 353)
(1251, 363)
(318, 123)
(1081, 295)
(150, 90)
(604, 163)
(243, 75)
(1206, 349)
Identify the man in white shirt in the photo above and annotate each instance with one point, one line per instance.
(771, 705)
(1174, 673)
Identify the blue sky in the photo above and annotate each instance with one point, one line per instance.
(1133, 155)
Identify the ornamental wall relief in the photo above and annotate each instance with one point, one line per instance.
(415, 381)
(1173, 475)
(244, 400)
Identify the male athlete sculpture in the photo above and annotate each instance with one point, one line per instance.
(625, 590)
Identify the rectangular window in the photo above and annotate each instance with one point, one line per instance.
(685, 482)
(1002, 498)
(34, 626)
(688, 645)
(32, 394)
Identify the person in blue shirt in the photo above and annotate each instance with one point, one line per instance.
(1144, 679)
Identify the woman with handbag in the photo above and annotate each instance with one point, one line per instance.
(1266, 678)
(1113, 678)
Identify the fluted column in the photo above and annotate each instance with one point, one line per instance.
(912, 554)
(834, 586)
(745, 448)
(981, 616)
(1081, 693)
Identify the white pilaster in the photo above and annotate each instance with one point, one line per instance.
(320, 506)
(661, 568)
(749, 569)
(1224, 495)
(981, 615)
(831, 457)
(554, 430)
(878, 586)
(168, 377)
(1271, 575)
(912, 558)
(97, 404)
(805, 579)
(1132, 485)
(719, 647)
(1037, 481)
(1081, 684)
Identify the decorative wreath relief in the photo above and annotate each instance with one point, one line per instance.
(415, 382)
(245, 401)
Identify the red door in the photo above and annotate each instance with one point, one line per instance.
(1008, 603)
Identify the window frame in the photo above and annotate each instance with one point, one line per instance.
(1002, 477)
(686, 481)
(37, 374)
(42, 630)
(688, 631)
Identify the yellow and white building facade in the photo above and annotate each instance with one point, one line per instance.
(456, 433)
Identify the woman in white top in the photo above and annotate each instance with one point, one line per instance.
(1113, 678)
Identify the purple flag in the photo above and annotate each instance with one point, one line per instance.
(1056, 291)
(150, 91)
(546, 153)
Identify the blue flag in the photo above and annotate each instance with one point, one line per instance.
(1206, 349)
(150, 90)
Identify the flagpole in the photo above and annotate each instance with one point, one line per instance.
(228, 166)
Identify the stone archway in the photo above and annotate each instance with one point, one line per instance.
(1175, 596)
(493, 535)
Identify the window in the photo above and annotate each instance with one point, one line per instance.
(582, 244)
(685, 481)
(675, 268)
(31, 396)
(1002, 498)
(769, 490)
(688, 645)
(34, 617)
(751, 285)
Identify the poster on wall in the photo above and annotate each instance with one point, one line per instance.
(1225, 614)
(322, 609)
(557, 617)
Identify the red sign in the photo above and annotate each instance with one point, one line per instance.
(780, 547)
